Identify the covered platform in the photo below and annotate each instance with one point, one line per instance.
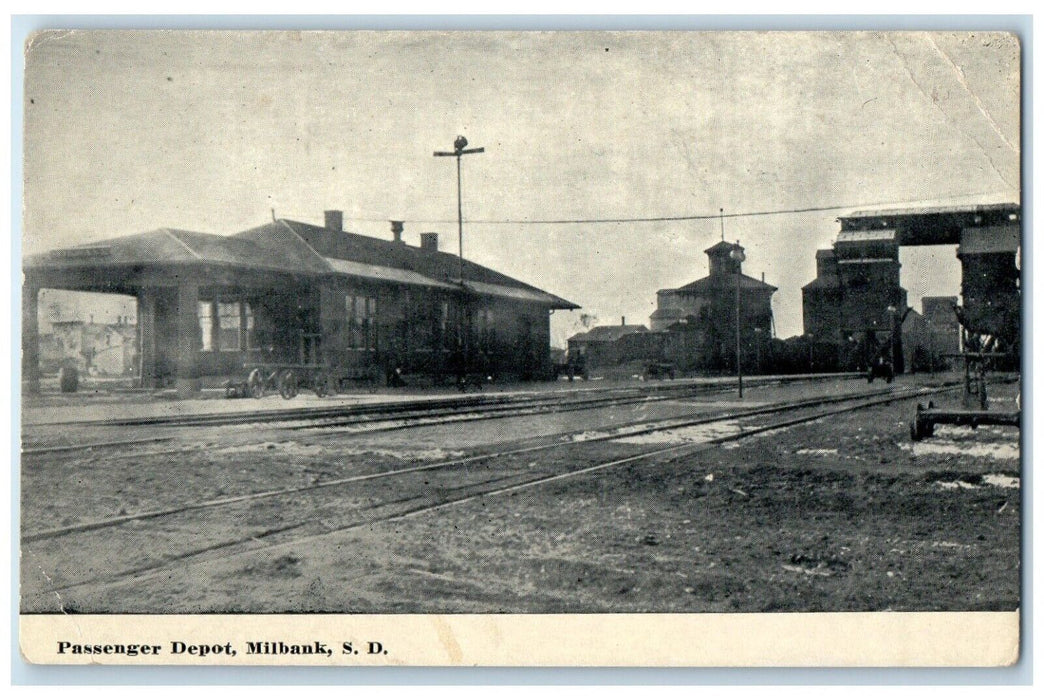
(289, 293)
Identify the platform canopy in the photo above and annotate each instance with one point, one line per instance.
(274, 254)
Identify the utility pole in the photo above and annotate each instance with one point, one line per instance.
(757, 347)
(738, 256)
(893, 314)
(460, 149)
(931, 348)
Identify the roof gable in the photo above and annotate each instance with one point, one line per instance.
(823, 282)
(177, 246)
(280, 241)
(150, 246)
(441, 268)
(722, 248)
(375, 251)
(243, 252)
(719, 282)
(608, 334)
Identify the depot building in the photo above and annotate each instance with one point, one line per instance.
(293, 293)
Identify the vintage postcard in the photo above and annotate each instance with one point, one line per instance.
(521, 348)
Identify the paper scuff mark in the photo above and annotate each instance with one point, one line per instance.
(447, 639)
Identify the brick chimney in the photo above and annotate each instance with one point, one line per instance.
(334, 219)
(396, 227)
(623, 320)
(429, 241)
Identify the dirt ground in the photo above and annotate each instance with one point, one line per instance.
(844, 514)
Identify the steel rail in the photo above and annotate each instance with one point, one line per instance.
(391, 407)
(422, 418)
(409, 422)
(142, 573)
(32, 451)
(610, 434)
(425, 417)
(418, 419)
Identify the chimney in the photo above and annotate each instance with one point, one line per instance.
(623, 320)
(396, 231)
(429, 241)
(334, 219)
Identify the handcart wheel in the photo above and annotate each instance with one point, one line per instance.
(256, 384)
(319, 386)
(324, 385)
(288, 385)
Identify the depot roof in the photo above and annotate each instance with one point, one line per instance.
(295, 248)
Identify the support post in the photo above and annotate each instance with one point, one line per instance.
(147, 339)
(186, 370)
(31, 338)
(739, 358)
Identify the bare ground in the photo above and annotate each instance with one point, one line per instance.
(845, 514)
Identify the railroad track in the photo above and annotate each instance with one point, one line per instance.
(405, 415)
(324, 509)
(451, 402)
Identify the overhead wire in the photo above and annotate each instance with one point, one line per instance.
(681, 217)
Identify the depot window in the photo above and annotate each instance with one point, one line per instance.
(205, 313)
(486, 331)
(225, 325)
(361, 311)
(228, 325)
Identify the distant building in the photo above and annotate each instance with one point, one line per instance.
(914, 346)
(108, 349)
(821, 299)
(700, 317)
(990, 281)
(606, 345)
(868, 268)
(931, 339)
(856, 299)
(944, 330)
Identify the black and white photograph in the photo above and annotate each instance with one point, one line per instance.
(513, 324)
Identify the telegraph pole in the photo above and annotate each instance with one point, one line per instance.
(893, 314)
(738, 256)
(931, 347)
(460, 149)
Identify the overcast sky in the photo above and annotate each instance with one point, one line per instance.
(131, 131)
